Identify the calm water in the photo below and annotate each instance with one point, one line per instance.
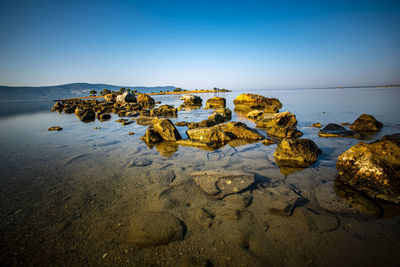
(68, 197)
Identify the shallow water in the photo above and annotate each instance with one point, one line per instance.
(69, 197)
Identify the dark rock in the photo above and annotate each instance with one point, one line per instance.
(125, 123)
(393, 137)
(296, 153)
(87, 116)
(373, 169)
(126, 97)
(55, 128)
(267, 142)
(166, 129)
(151, 136)
(335, 130)
(165, 111)
(366, 123)
(104, 116)
(221, 183)
(155, 228)
(216, 102)
(131, 133)
(284, 131)
(191, 100)
(145, 100)
(58, 106)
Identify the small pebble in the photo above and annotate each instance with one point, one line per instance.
(131, 133)
(55, 128)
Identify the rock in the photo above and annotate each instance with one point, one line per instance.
(254, 101)
(167, 148)
(166, 129)
(296, 153)
(131, 114)
(164, 110)
(393, 137)
(131, 133)
(373, 169)
(140, 162)
(145, 100)
(222, 183)
(126, 97)
(181, 123)
(241, 131)
(151, 136)
(155, 228)
(366, 123)
(345, 123)
(121, 120)
(58, 106)
(193, 143)
(335, 130)
(255, 114)
(144, 120)
(283, 200)
(209, 135)
(212, 120)
(216, 102)
(341, 199)
(267, 142)
(104, 116)
(237, 201)
(97, 128)
(110, 97)
(284, 131)
(225, 113)
(191, 100)
(87, 116)
(276, 119)
(316, 125)
(124, 123)
(55, 128)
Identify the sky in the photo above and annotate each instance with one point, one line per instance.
(200, 44)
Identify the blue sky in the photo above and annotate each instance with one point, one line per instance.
(200, 44)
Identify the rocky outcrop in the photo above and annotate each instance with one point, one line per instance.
(254, 101)
(191, 101)
(145, 100)
(110, 97)
(335, 130)
(164, 111)
(366, 123)
(372, 168)
(154, 229)
(222, 183)
(126, 97)
(296, 153)
(216, 102)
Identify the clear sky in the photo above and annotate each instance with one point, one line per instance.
(200, 44)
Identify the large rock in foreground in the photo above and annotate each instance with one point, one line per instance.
(221, 183)
(155, 228)
(366, 123)
(254, 101)
(166, 129)
(296, 153)
(335, 130)
(373, 169)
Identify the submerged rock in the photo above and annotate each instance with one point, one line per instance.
(335, 130)
(283, 200)
(366, 123)
(155, 228)
(338, 198)
(167, 148)
(221, 183)
(216, 102)
(55, 128)
(296, 153)
(254, 101)
(373, 169)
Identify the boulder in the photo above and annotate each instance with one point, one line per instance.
(392, 137)
(191, 100)
(87, 116)
(104, 116)
(254, 101)
(276, 119)
(145, 100)
(216, 102)
(126, 97)
(58, 106)
(296, 153)
(255, 114)
(151, 136)
(241, 131)
(335, 130)
(284, 131)
(226, 113)
(209, 135)
(155, 228)
(110, 97)
(166, 129)
(366, 123)
(221, 183)
(164, 110)
(316, 125)
(218, 116)
(372, 168)
(144, 120)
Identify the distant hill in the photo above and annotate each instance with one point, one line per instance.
(27, 93)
